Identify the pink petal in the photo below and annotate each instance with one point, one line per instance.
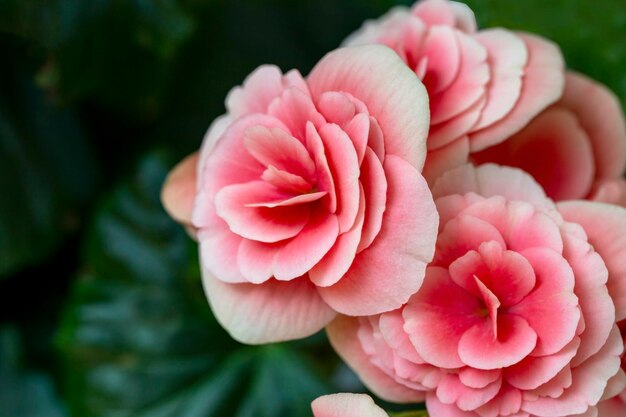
(295, 109)
(336, 107)
(374, 185)
(179, 190)
(238, 206)
(256, 260)
(435, 12)
(275, 147)
(610, 191)
(218, 253)
(534, 371)
(469, 85)
(605, 226)
(436, 408)
(479, 349)
(543, 85)
(339, 258)
(461, 235)
(445, 133)
(551, 308)
(301, 253)
(325, 181)
(378, 77)
(441, 49)
(445, 159)
(594, 299)
(600, 114)
(392, 329)
(387, 273)
(260, 88)
(229, 162)
(358, 130)
(342, 333)
(270, 312)
(286, 181)
(440, 307)
(613, 407)
(552, 139)
(589, 382)
(346, 405)
(507, 57)
(491, 180)
(478, 378)
(344, 167)
(450, 390)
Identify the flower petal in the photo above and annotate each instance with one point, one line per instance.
(272, 312)
(346, 405)
(392, 93)
(387, 273)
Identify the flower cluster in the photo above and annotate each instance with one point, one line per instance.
(448, 202)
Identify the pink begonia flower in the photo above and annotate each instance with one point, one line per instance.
(483, 85)
(346, 405)
(575, 149)
(514, 317)
(613, 403)
(307, 197)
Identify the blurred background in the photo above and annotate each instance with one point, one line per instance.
(101, 309)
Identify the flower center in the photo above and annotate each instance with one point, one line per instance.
(491, 303)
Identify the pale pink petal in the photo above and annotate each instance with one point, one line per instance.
(600, 114)
(238, 205)
(515, 339)
(613, 407)
(211, 137)
(229, 162)
(451, 390)
(391, 327)
(256, 260)
(272, 312)
(478, 378)
(507, 57)
(553, 139)
(374, 185)
(445, 159)
(441, 50)
(536, 370)
(507, 403)
(605, 226)
(440, 307)
(435, 12)
(346, 405)
(491, 180)
(339, 258)
(610, 191)
(295, 109)
(305, 250)
(179, 190)
(336, 107)
(358, 130)
(260, 88)
(551, 308)
(469, 86)
(343, 336)
(438, 409)
(277, 148)
(325, 181)
(397, 100)
(218, 253)
(461, 235)
(544, 79)
(387, 273)
(286, 181)
(344, 167)
(456, 128)
(589, 381)
(595, 302)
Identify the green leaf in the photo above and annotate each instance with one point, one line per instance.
(47, 171)
(23, 393)
(138, 336)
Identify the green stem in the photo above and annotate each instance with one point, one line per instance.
(416, 413)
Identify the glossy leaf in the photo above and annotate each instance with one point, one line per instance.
(139, 339)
